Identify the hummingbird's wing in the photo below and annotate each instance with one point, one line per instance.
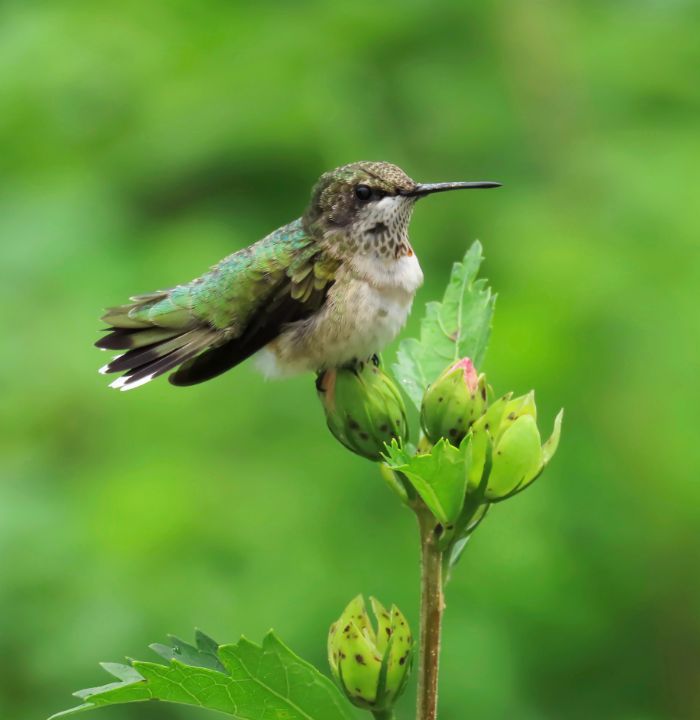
(218, 320)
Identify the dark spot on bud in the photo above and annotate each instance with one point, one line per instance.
(384, 428)
(364, 436)
(388, 632)
(439, 399)
(402, 660)
(449, 527)
(438, 530)
(486, 426)
(483, 393)
(453, 432)
(511, 416)
(346, 628)
(352, 424)
(342, 655)
(360, 659)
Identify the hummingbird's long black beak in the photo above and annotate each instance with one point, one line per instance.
(430, 188)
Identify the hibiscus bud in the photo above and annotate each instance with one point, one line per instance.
(370, 666)
(507, 451)
(453, 402)
(364, 409)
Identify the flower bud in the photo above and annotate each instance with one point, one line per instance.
(371, 667)
(364, 409)
(453, 402)
(507, 454)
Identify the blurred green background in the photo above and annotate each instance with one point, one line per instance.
(141, 142)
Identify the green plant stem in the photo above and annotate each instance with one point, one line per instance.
(432, 605)
(384, 715)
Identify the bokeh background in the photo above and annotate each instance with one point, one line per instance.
(140, 142)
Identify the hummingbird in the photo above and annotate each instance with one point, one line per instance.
(328, 290)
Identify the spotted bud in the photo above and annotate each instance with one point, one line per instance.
(370, 665)
(453, 402)
(364, 409)
(507, 451)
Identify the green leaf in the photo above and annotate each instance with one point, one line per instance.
(245, 681)
(439, 477)
(550, 447)
(203, 655)
(458, 327)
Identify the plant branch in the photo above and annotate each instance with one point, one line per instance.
(432, 605)
(384, 715)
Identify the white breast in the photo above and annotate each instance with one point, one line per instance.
(366, 319)
(364, 311)
(402, 273)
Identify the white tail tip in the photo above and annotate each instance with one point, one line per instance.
(123, 384)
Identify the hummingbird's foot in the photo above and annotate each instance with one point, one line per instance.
(357, 366)
(325, 381)
(354, 365)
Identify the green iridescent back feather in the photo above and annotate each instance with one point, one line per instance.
(226, 295)
(244, 297)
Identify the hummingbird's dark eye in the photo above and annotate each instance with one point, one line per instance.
(363, 192)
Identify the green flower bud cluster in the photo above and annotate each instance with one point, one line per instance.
(506, 452)
(364, 409)
(473, 454)
(370, 666)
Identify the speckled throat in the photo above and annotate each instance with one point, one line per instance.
(379, 230)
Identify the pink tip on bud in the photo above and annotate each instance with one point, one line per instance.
(471, 377)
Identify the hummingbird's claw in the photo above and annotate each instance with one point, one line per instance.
(320, 377)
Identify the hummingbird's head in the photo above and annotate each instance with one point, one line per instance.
(368, 205)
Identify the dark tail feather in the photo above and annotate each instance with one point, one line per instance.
(130, 338)
(142, 364)
(145, 373)
(142, 356)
